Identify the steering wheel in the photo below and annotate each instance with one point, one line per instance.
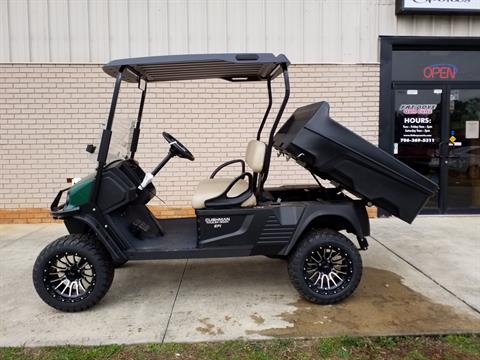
(177, 147)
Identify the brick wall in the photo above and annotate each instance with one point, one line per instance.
(49, 112)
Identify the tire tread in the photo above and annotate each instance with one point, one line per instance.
(297, 258)
(88, 244)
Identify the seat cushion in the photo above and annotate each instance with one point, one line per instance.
(255, 156)
(211, 188)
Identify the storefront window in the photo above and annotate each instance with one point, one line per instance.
(435, 65)
(417, 132)
(430, 114)
(464, 154)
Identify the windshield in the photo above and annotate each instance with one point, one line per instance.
(121, 141)
(123, 124)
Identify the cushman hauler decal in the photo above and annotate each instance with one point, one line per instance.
(217, 221)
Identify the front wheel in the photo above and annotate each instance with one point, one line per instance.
(326, 267)
(73, 273)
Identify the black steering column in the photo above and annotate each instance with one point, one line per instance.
(176, 149)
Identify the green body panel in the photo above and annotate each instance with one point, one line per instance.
(79, 194)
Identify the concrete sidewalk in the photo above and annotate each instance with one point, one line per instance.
(420, 278)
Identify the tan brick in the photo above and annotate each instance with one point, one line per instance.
(45, 124)
(39, 215)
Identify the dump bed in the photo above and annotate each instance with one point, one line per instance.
(333, 152)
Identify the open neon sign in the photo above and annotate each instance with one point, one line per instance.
(440, 71)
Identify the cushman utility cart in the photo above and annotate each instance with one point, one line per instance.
(110, 224)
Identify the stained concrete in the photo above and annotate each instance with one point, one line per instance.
(445, 248)
(399, 300)
(382, 305)
(228, 297)
(418, 278)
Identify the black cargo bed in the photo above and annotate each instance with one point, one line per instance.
(333, 152)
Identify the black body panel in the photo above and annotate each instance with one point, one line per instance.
(91, 221)
(119, 185)
(129, 231)
(333, 152)
(265, 230)
(341, 214)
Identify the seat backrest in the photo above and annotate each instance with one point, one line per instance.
(255, 156)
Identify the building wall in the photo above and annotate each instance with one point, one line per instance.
(49, 112)
(308, 31)
(54, 96)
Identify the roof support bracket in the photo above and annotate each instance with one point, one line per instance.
(268, 153)
(136, 130)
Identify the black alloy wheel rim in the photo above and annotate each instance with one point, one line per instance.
(328, 270)
(69, 277)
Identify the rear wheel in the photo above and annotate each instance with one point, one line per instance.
(326, 267)
(73, 273)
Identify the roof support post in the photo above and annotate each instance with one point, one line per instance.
(269, 87)
(260, 129)
(106, 136)
(136, 130)
(268, 153)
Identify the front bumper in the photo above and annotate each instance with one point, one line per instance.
(60, 211)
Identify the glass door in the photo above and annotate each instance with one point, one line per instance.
(463, 162)
(437, 133)
(418, 134)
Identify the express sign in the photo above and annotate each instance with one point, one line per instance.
(440, 71)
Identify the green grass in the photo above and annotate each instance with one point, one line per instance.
(347, 347)
(468, 344)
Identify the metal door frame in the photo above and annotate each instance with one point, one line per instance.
(446, 88)
(443, 135)
(386, 127)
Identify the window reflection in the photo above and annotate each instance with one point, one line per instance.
(464, 154)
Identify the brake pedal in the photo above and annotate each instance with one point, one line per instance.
(139, 227)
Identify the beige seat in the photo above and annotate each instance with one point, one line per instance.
(211, 188)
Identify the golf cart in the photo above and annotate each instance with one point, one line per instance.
(109, 223)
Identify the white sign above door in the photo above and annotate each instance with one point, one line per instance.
(437, 6)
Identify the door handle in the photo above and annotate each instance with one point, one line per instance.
(443, 147)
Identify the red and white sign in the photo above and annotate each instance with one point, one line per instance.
(440, 71)
(414, 109)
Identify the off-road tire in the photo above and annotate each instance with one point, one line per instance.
(312, 241)
(86, 246)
